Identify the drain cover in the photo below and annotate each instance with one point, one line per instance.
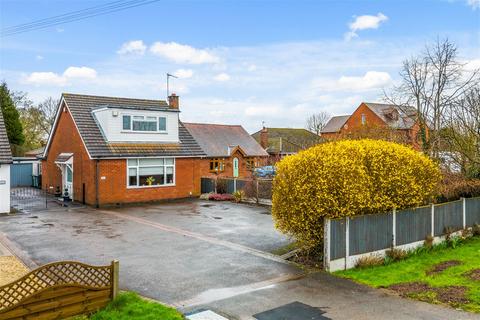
(292, 311)
(205, 315)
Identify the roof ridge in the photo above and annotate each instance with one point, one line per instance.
(110, 97)
(213, 124)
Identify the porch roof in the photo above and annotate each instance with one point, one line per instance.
(63, 157)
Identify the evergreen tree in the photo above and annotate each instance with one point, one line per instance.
(11, 116)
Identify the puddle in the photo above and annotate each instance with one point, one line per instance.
(33, 217)
(218, 218)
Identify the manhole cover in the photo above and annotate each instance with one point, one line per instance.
(292, 311)
(205, 315)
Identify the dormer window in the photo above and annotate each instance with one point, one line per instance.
(144, 123)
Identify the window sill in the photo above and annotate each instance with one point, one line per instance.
(144, 132)
(155, 186)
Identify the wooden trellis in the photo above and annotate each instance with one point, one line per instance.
(59, 290)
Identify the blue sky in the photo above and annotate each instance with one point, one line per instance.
(238, 61)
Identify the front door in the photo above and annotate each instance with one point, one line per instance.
(235, 167)
(68, 180)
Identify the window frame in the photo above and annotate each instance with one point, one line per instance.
(220, 164)
(138, 166)
(144, 116)
(250, 164)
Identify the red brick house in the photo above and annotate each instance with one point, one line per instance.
(230, 150)
(376, 120)
(107, 150)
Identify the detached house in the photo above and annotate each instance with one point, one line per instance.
(229, 149)
(281, 142)
(5, 163)
(107, 150)
(376, 120)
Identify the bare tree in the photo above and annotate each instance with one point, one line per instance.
(317, 121)
(48, 108)
(462, 132)
(431, 82)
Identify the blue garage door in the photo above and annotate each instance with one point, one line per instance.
(21, 175)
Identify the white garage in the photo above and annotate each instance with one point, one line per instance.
(5, 163)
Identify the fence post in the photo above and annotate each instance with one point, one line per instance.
(115, 275)
(234, 184)
(394, 230)
(347, 241)
(326, 244)
(257, 191)
(433, 220)
(464, 212)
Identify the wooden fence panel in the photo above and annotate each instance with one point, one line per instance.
(59, 290)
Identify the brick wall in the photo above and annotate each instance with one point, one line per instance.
(113, 187)
(243, 172)
(67, 139)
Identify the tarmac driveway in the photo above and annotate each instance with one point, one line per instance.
(200, 255)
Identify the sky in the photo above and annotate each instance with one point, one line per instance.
(237, 62)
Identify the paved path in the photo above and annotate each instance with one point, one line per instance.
(198, 255)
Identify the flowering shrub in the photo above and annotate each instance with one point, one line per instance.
(348, 178)
(221, 197)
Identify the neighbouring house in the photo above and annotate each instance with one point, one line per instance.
(379, 121)
(230, 150)
(108, 150)
(5, 163)
(34, 153)
(280, 142)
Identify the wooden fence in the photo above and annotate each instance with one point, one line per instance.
(59, 290)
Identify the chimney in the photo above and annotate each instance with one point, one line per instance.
(173, 101)
(264, 138)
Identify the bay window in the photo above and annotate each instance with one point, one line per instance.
(151, 172)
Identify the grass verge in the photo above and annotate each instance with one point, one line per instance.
(129, 305)
(418, 277)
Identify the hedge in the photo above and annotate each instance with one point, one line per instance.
(348, 178)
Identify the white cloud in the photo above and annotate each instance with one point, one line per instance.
(472, 65)
(371, 79)
(222, 77)
(39, 57)
(42, 78)
(80, 72)
(252, 68)
(183, 73)
(475, 4)
(365, 22)
(54, 79)
(180, 53)
(134, 47)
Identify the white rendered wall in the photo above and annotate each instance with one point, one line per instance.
(4, 188)
(112, 126)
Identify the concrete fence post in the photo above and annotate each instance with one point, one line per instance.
(347, 241)
(433, 220)
(256, 193)
(234, 184)
(326, 244)
(464, 212)
(394, 230)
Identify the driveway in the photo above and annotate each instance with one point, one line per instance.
(200, 255)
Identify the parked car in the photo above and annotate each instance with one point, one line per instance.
(265, 172)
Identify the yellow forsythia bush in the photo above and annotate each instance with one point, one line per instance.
(348, 178)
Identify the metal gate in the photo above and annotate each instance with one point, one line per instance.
(28, 199)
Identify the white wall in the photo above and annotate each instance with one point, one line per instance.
(4, 188)
(112, 126)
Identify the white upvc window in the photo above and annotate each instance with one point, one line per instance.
(150, 172)
(144, 123)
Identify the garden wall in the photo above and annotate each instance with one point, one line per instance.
(348, 239)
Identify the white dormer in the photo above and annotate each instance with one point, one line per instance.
(123, 124)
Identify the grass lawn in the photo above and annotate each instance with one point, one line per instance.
(129, 305)
(446, 286)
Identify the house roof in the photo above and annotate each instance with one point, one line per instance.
(218, 140)
(81, 107)
(406, 114)
(5, 151)
(35, 152)
(288, 140)
(335, 124)
(62, 157)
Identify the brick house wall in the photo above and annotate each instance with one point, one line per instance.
(67, 139)
(113, 183)
(243, 172)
